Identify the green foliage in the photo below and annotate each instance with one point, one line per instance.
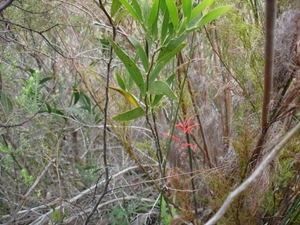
(165, 215)
(56, 215)
(171, 39)
(27, 179)
(32, 96)
(126, 213)
(130, 115)
(89, 174)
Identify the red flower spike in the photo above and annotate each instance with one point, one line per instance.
(190, 145)
(185, 125)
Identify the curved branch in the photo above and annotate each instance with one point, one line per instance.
(6, 4)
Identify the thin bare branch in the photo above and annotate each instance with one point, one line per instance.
(12, 218)
(268, 159)
(6, 4)
(271, 9)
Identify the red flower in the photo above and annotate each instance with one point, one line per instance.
(191, 145)
(173, 137)
(186, 128)
(185, 125)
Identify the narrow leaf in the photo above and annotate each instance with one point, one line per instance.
(183, 26)
(120, 15)
(120, 81)
(146, 10)
(130, 115)
(187, 8)
(213, 14)
(131, 99)
(132, 68)
(161, 88)
(76, 95)
(45, 80)
(130, 9)
(153, 13)
(164, 60)
(199, 8)
(136, 6)
(173, 12)
(115, 6)
(142, 53)
(165, 26)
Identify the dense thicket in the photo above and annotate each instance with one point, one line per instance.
(69, 153)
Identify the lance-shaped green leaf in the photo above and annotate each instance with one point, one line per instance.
(153, 13)
(120, 81)
(130, 115)
(142, 53)
(138, 10)
(157, 98)
(173, 12)
(183, 26)
(132, 68)
(115, 7)
(187, 8)
(164, 60)
(131, 10)
(200, 7)
(164, 26)
(161, 88)
(213, 14)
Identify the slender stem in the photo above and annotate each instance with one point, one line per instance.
(107, 178)
(5, 5)
(271, 8)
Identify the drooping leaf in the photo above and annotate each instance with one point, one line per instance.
(131, 99)
(116, 4)
(132, 68)
(130, 115)
(173, 12)
(153, 13)
(187, 8)
(161, 88)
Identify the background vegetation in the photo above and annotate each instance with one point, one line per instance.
(147, 112)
